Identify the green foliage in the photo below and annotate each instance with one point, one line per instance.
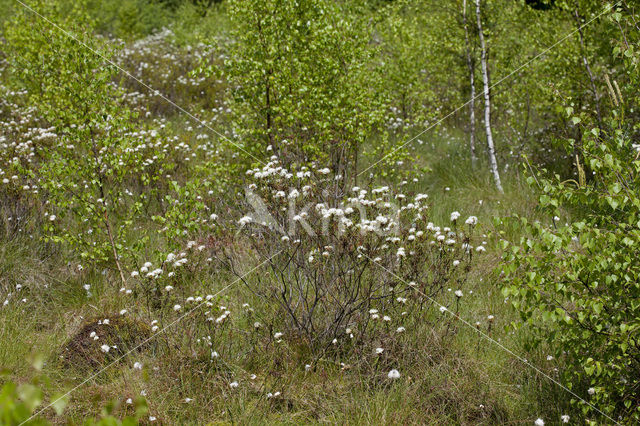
(414, 68)
(7, 7)
(93, 171)
(577, 286)
(191, 26)
(23, 403)
(18, 403)
(303, 81)
(128, 19)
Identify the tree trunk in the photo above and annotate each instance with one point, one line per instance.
(487, 103)
(585, 61)
(472, 101)
(267, 94)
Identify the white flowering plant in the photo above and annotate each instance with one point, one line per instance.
(22, 131)
(349, 267)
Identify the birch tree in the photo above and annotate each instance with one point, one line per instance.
(487, 101)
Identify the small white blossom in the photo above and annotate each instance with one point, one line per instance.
(245, 220)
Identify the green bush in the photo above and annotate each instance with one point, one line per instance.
(305, 85)
(577, 286)
(129, 19)
(91, 175)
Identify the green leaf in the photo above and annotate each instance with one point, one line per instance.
(59, 402)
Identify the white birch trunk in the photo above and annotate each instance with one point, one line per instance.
(487, 103)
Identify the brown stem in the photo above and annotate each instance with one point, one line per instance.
(113, 247)
(585, 61)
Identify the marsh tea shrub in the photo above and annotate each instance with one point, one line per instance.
(351, 266)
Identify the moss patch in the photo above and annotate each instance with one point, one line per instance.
(120, 333)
